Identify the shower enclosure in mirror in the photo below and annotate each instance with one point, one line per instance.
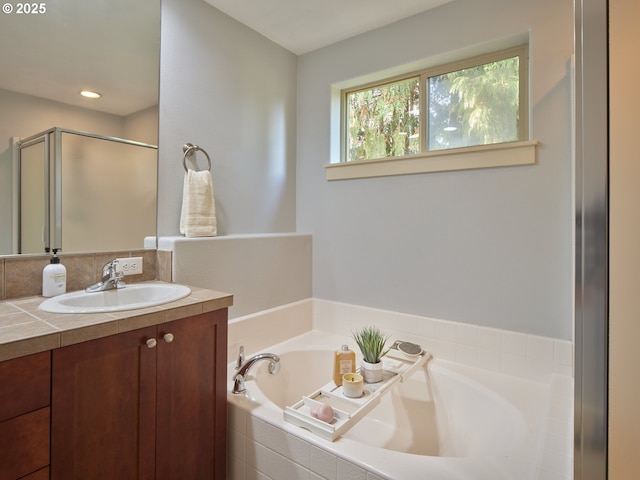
(75, 188)
(110, 47)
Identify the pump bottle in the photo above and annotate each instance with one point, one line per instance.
(54, 277)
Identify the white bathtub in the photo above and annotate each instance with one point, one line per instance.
(445, 421)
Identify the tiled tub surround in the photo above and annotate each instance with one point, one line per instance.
(24, 329)
(262, 445)
(21, 275)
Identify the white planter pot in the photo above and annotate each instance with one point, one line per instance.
(372, 372)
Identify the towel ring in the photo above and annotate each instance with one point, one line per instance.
(188, 149)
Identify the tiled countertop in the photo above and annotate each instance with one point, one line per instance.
(24, 329)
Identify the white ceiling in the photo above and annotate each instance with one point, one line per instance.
(305, 25)
(109, 46)
(80, 44)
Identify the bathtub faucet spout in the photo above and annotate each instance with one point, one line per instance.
(243, 371)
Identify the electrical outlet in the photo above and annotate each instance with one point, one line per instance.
(129, 266)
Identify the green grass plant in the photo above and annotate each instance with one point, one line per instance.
(371, 342)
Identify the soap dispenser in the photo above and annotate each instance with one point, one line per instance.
(54, 277)
(344, 362)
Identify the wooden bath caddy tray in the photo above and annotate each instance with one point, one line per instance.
(349, 411)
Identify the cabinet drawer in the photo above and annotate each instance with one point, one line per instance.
(39, 475)
(24, 444)
(26, 384)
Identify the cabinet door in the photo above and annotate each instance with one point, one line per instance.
(103, 409)
(192, 398)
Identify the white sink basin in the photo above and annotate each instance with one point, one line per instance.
(140, 295)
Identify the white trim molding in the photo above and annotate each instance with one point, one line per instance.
(466, 158)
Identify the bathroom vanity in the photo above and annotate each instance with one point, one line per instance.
(132, 394)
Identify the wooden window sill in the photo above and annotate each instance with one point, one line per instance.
(466, 158)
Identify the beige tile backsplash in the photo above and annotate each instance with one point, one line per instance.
(21, 275)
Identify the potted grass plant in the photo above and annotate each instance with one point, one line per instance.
(372, 344)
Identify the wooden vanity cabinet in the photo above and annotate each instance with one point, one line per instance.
(24, 417)
(145, 404)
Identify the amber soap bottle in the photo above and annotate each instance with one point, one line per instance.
(344, 362)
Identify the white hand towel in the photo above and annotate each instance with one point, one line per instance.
(198, 217)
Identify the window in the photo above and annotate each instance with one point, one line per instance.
(479, 102)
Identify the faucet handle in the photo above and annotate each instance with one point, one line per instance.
(109, 271)
(109, 268)
(240, 360)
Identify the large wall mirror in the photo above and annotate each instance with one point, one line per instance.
(49, 55)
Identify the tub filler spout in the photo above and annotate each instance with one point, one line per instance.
(243, 370)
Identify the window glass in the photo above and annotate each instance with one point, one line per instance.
(383, 121)
(477, 101)
(474, 106)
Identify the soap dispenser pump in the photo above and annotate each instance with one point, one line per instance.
(54, 277)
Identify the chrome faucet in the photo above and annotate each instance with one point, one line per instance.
(111, 279)
(243, 370)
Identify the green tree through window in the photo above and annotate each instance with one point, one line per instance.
(475, 105)
(384, 121)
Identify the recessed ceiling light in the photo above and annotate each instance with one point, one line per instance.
(90, 94)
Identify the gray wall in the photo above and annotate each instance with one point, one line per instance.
(229, 90)
(488, 247)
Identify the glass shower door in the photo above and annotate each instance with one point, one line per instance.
(100, 181)
(34, 197)
(83, 192)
